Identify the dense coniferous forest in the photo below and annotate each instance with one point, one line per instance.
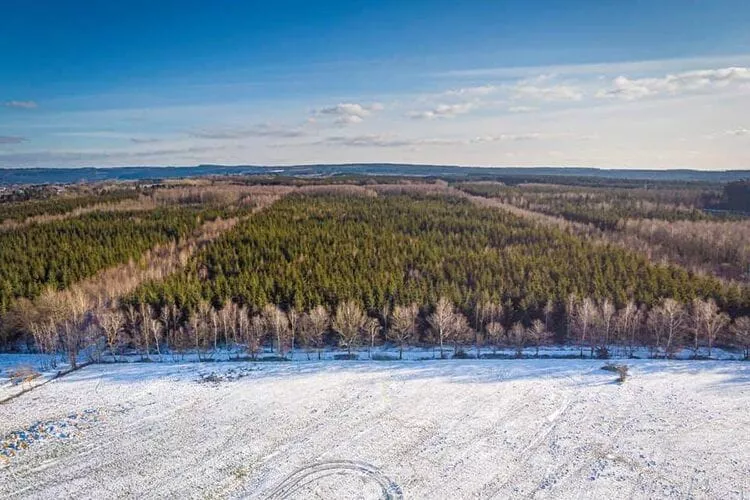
(604, 207)
(738, 196)
(21, 210)
(56, 254)
(687, 225)
(396, 250)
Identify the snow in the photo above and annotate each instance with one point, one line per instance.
(47, 367)
(412, 429)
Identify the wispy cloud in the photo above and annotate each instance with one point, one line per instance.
(262, 130)
(383, 141)
(545, 88)
(394, 141)
(10, 139)
(443, 111)
(522, 109)
(349, 113)
(690, 81)
(738, 132)
(21, 104)
(478, 91)
(46, 157)
(507, 137)
(675, 65)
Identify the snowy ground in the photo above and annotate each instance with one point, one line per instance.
(44, 367)
(418, 429)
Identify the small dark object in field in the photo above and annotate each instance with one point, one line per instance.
(621, 370)
(346, 357)
(384, 357)
(22, 374)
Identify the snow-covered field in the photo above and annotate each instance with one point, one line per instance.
(417, 429)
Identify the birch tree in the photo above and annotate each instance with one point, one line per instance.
(403, 326)
(348, 323)
(277, 325)
(741, 335)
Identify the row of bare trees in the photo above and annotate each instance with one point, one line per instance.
(596, 328)
(665, 329)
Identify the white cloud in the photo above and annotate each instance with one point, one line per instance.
(541, 88)
(522, 109)
(20, 104)
(479, 91)
(689, 81)
(444, 111)
(677, 65)
(384, 141)
(738, 132)
(394, 141)
(349, 113)
(506, 137)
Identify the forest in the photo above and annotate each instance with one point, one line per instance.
(20, 210)
(685, 225)
(404, 263)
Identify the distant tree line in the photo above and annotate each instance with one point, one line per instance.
(22, 210)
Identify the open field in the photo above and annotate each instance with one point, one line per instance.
(429, 429)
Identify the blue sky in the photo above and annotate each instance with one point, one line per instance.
(653, 84)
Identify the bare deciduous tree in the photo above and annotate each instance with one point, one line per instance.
(443, 321)
(667, 321)
(313, 326)
(111, 322)
(517, 338)
(293, 317)
(277, 326)
(495, 334)
(584, 318)
(254, 334)
(707, 323)
(741, 335)
(241, 324)
(539, 335)
(371, 328)
(143, 333)
(348, 322)
(153, 328)
(403, 326)
(606, 317)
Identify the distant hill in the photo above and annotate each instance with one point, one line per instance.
(73, 175)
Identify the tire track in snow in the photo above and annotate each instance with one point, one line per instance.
(305, 475)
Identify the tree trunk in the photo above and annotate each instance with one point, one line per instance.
(158, 351)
